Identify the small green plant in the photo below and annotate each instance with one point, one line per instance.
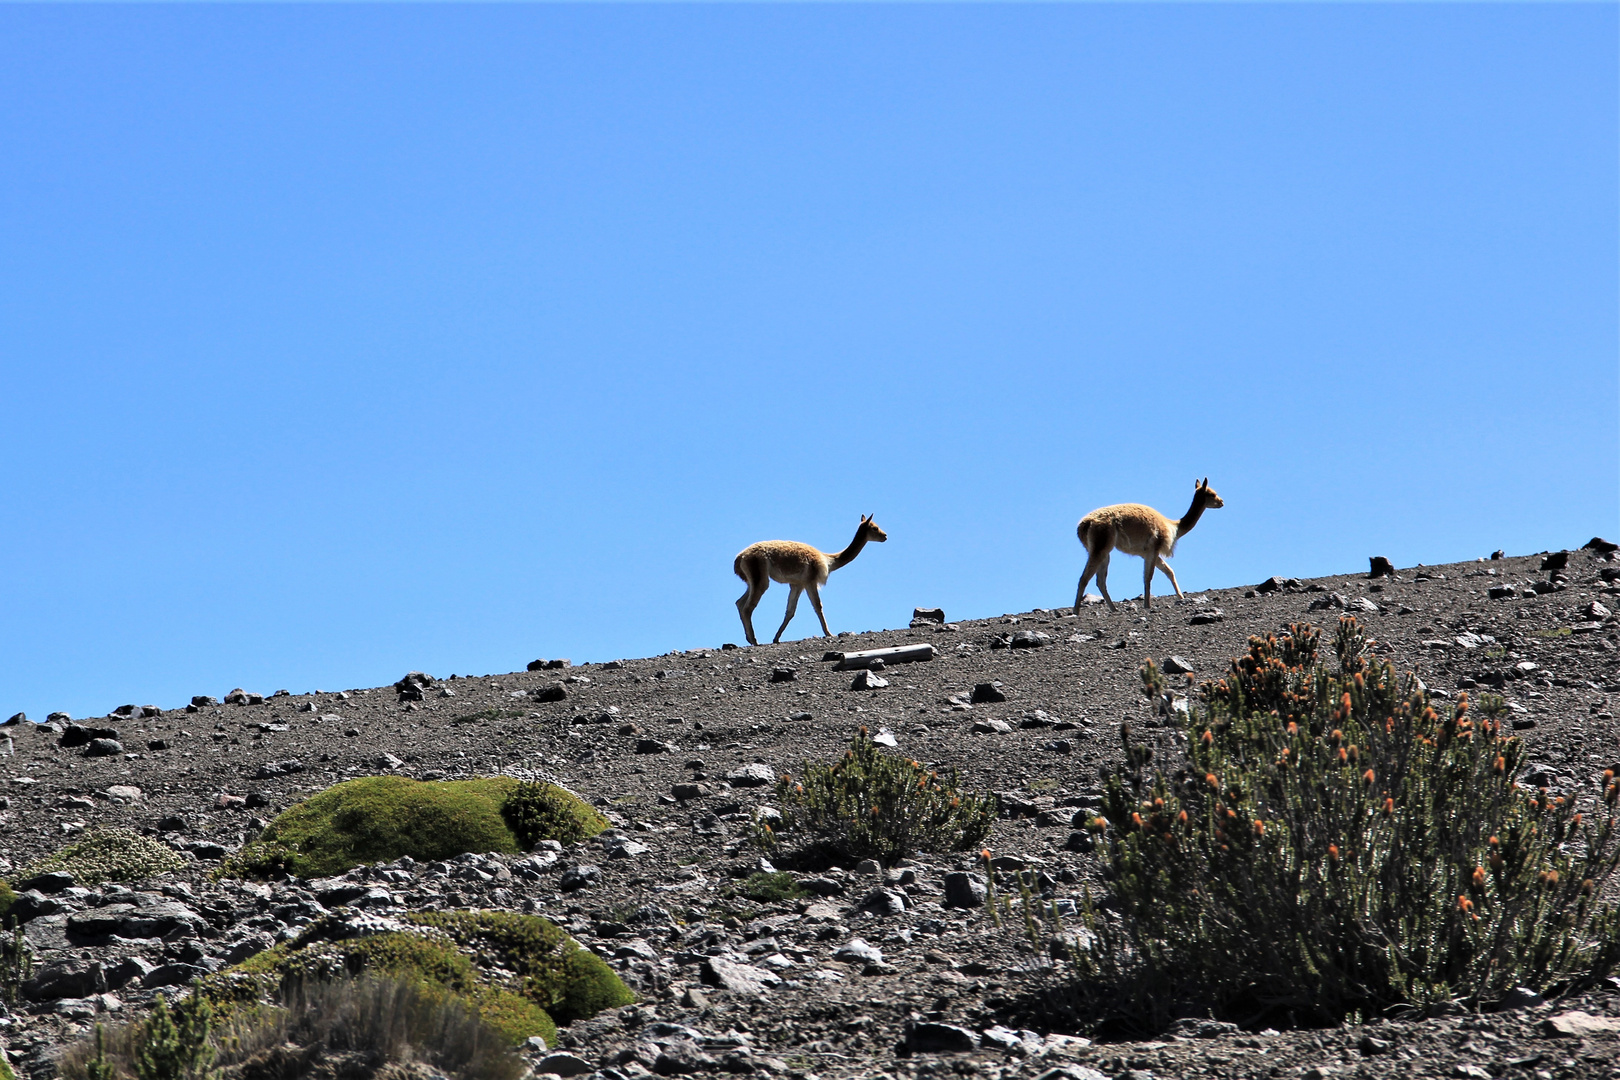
(764, 888)
(1493, 706)
(1553, 632)
(1043, 786)
(536, 811)
(16, 963)
(174, 1044)
(111, 854)
(8, 896)
(550, 977)
(1335, 844)
(869, 804)
(99, 1067)
(380, 818)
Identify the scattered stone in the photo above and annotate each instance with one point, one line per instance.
(1206, 618)
(865, 679)
(1557, 560)
(858, 951)
(739, 978)
(124, 794)
(554, 692)
(387, 762)
(1178, 665)
(103, 748)
(1580, 1025)
(991, 727)
(931, 1037)
(1502, 592)
(885, 737)
(50, 883)
(242, 697)
(272, 769)
(987, 693)
(82, 735)
(1596, 611)
(928, 615)
(964, 890)
(579, 877)
(753, 775)
(1381, 567)
(884, 902)
(1059, 746)
(1030, 639)
(1600, 545)
(654, 746)
(14, 719)
(784, 674)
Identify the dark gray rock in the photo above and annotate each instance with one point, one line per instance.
(49, 883)
(884, 902)
(1030, 639)
(579, 877)
(1178, 665)
(784, 674)
(987, 693)
(173, 975)
(964, 890)
(866, 679)
(930, 1037)
(131, 970)
(202, 701)
(1207, 618)
(73, 977)
(147, 920)
(272, 769)
(82, 735)
(554, 692)
(1380, 567)
(654, 746)
(103, 748)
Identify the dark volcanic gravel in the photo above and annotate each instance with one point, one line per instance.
(815, 987)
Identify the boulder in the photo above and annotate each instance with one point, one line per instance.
(931, 1037)
(739, 978)
(964, 890)
(987, 693)
(752, 775)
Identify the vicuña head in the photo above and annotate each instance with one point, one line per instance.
(1138, 530)
(800, 567)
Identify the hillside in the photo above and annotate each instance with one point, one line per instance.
(662, 745)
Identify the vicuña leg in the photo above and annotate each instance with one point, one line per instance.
(815, 602)
(793, 604)
(1147, 583)
(1094, 564)
(758, 582)
(1169, 573)
(1102, 579)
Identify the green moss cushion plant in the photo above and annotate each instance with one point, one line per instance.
(380, 818)
(545, 977)
(103, 855)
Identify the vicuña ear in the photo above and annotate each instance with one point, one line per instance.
(1206, 481)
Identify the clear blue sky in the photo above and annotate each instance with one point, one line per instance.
(340, 341)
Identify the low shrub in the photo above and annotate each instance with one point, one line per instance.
(536, 811)
(1335, 843)
(764, 888)
(16, 963)
(102, 855)
(7, 897)
(380, 818)
(553, 980)
(869, 804)
(373, 1018)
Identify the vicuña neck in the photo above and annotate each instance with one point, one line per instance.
(1190, 518)
(843, 558)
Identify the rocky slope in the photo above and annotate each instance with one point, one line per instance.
(874, 973)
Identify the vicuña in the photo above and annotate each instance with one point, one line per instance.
(800, 567)
(1138, 530)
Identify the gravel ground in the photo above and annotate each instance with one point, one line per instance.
(873, 975)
